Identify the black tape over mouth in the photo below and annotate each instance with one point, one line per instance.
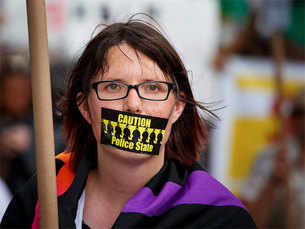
(132, 132)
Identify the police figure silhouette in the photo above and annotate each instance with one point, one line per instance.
(152, 138)
(136, 134)
(104, 128)
(159, 138)
(126, 133)
(109, 133)
(144, 136)
(118, 132)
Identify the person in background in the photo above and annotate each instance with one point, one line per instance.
(130, 75)
(275, 190)
(17, 148)
(16, 130)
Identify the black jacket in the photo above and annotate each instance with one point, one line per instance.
(176, 197)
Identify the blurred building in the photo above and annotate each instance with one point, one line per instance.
(192, 27)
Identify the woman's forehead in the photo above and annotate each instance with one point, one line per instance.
(123, 61)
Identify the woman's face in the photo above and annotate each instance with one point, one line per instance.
(131, 67)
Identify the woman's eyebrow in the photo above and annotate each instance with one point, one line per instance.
(112, 78)
(143, 78)
(149, 80)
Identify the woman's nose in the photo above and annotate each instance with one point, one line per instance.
(133, 103)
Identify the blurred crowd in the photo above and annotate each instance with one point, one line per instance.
(274, 192)
(250, 25)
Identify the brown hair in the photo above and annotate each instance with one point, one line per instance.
(188, 133)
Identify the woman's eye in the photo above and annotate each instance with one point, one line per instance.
(153, 87)
(113, 86)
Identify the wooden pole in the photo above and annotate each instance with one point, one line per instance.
(279, 56)
(42, 107)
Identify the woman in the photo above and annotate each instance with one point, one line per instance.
(130, 76)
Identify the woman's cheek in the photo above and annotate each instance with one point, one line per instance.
(157, 110)
(96, 121)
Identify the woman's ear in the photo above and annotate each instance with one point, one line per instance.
(82, 105)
